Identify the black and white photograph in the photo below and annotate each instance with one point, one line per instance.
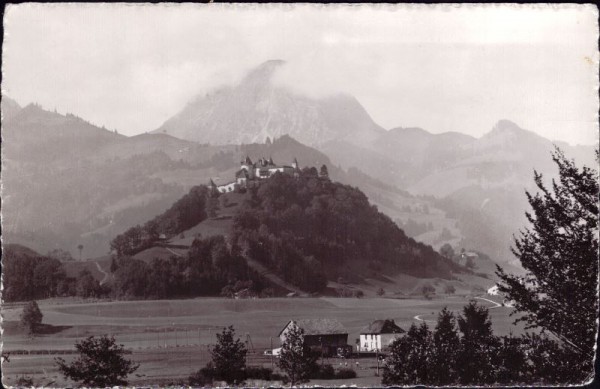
(299, 195)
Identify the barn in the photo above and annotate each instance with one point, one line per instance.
(379, 335)
(327, 336)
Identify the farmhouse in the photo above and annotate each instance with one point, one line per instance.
(324, 335)
(253, 171)
(379, 335)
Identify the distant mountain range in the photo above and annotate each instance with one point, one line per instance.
(67, 181)
(256, 109)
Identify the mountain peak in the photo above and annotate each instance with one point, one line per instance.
(504, 125)
(264, 71)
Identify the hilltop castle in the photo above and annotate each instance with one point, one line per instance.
(253, 171)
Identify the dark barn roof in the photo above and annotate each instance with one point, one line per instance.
(382, 327)
(319, 327)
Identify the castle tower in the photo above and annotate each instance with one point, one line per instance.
(295, 164)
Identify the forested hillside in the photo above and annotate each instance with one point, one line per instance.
(310, 230)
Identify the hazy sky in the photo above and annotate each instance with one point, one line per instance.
(444, 68)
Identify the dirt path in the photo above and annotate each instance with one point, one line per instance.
(173, 252)
(496, 305)
(106, 275)
(268, 274)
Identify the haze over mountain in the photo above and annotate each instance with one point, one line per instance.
(68, 182)
(256, 108)
(483, 177)
(474, 187)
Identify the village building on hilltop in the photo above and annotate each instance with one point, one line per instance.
(253, 171)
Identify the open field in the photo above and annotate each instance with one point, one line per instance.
(170, 338)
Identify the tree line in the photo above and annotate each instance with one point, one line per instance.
(557, 295)
(463, 350)
(209, 268)
(30, 276)
(183, 214)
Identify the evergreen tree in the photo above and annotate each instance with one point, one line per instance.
(113, 265)
(560, 254)
(512, 361)
(297, 360)
(447, 251)
(229, 357)
(445, 346)
(31, 317)
(478, 346)
(324, 172)
(101, 363)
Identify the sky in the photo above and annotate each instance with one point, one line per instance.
(442, 68)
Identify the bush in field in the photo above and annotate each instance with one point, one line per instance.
(427, 290)
(31, 317)
(345, 374)
(258, 373)
(25, 382)
(101, 363)
(449, 289)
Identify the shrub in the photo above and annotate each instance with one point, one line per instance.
(324, 372)
(25, 381)
(345, 373)
(259, 373)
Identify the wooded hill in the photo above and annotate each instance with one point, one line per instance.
(307, 230)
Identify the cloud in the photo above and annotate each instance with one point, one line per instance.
(442, 68)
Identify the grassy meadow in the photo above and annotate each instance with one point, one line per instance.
(170, 338)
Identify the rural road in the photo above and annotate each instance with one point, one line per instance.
(173, 252)
(418, 317)
(106, 275)
(496, 305)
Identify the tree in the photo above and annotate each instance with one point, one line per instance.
(212, 206)
(113, 265)
(469, 264)
(444, 350)
(449, 289)
(560, 255)
(297, 360)
(80, 248)
(478, 345)
(408, 360)
(427, 290)
(447, 251)
(324, 172)
(229, 357)
(31, 317)
(101, 363)
(380, 292)
(87, 285)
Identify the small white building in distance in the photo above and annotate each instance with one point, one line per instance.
(378, 335)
